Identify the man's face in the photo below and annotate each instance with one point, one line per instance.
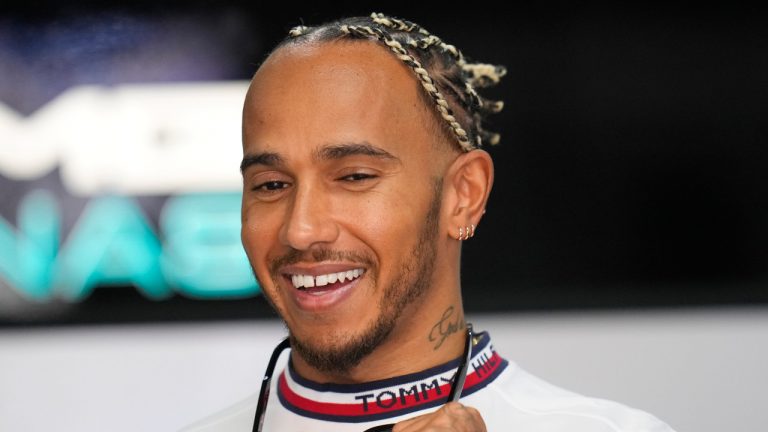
(341, 195)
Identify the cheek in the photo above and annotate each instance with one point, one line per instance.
(385, 222)
(257, 233)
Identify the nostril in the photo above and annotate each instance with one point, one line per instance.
(309, 220)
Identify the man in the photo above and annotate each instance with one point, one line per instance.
(362, 176)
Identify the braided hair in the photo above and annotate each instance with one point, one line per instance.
(449, 80)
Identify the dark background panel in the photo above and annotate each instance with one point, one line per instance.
(631, 171)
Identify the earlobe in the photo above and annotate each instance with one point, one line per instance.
(466, 233)
(471, 179)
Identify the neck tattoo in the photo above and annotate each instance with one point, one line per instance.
(446, 326)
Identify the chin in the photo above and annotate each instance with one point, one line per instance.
(338, 351)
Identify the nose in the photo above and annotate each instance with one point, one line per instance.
(309, 220)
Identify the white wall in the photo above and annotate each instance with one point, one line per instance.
(702, 371)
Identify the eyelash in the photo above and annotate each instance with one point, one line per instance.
(265, 187)
(356, 177)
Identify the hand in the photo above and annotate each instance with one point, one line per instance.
(451, 417)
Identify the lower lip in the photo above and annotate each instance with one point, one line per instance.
(321, 298)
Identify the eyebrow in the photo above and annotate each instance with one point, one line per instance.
(330, 152)
(340, 151)
(266, 159)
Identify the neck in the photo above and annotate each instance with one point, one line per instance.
(428, 333)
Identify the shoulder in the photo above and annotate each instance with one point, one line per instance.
(523, 398)
(238, 417)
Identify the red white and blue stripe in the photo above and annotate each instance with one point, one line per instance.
(388, 398)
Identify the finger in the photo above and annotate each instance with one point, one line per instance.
(424, 421)
(450, 417)
(475, 419)
(461, 418)
(412, 424)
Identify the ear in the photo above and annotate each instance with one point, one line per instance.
(469, 180)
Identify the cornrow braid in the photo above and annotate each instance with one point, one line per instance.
(485, 75)
(440, 68)
(407, 26)
(397, 24)
(424, 43)
(298, 31)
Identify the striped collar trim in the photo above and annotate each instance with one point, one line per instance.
(388, 398)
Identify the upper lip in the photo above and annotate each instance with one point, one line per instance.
(319, 269)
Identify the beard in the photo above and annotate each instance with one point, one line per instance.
(413, 279)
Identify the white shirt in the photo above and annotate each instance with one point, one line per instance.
(508, 398)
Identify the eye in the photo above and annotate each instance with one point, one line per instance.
(270, 186)
(356, 177)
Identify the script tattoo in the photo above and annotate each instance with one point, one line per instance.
(445, 327)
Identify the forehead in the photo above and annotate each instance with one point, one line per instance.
(350, 91)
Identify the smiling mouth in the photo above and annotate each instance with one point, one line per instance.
(324, 282)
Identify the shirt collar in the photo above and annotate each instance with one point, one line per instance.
(391, 397)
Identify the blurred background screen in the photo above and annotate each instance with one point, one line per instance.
(631, 172)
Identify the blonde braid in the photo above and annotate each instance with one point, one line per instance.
(456, 53)
(473, 96)
(424, 43)
(407, 26)
(424, 78)
(397, 24)
(298, 31)
(483, 74)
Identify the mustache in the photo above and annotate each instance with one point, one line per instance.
(294, 256)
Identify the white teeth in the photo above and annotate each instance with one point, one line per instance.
(308, 281)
